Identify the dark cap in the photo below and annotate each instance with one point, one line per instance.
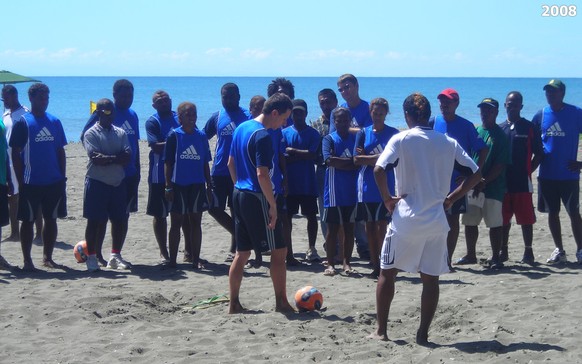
(555, 84)
(489, 102)
(449, 93)
(300, 104)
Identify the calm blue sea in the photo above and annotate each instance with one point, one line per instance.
(70, 96)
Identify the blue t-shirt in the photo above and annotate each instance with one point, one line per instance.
(157, 130)
(222, 124)
(278, 150)
(189, 153)
(464, 132)
(128, 121)
(373, 143)
(301, 172)
(40, 139)
(560, 131)
(252, 147)
(360, 116)
(340, 187)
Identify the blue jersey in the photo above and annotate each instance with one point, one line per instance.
(360, 116)
(301, 172)
(278, 151)
(40, 139)
(560, 131)
(373, 143)
(189, 153)
(157, 130)
(340, 185)
(464, 132)
(222, 124)
(128, 121)
(252, 147)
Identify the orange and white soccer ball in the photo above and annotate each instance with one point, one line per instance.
(308, 298)
(81, 251)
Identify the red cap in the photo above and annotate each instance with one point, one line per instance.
(449, 93)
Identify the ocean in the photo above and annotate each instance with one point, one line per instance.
(70, 96)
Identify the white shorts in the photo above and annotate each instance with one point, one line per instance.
(491, 212)
(414, 253)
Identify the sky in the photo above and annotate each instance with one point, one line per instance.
(369, 38)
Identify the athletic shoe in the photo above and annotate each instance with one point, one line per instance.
(229, 257)
(558, 256)
(528, 257)
(92, 264)
(579, 256)
(312, 256)
(503, 254)
(466, 260)
(117, 262)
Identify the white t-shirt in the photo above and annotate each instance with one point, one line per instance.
(424, 161)
(9, 118)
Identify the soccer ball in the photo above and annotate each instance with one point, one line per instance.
(308, 299)
(81, 251)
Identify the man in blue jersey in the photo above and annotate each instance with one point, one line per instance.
(257, 224)
(464, 132)
(301, 143)
(222, 125)
(158, 126)
(559, 174)
(526, 154)
(38, 156)
(340, 193)
(126, 119)
(370, 142)
(188, 186)
(104, 199)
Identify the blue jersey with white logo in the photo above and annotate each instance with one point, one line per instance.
(189, 153)
(301, 172)
(157, 130)
(373, 143)
(340, 187)
(360, 116)
(40, 139)
(560, 131)
(278, 150)
(222, 124)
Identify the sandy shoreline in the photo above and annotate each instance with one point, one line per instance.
(521, 314)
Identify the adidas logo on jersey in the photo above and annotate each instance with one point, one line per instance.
(44, 135)
(354, 123)
(346, 154)
(229, 129)
(190, 153)
(555, 131)
(126, 126)
(377, 150)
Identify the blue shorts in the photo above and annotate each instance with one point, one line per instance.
(189, 199)
(50, 198)
(132, 185)
(102, 201)
(308, 205)
(222, 188)
(251, 220)
(339, 215)
(158, 206)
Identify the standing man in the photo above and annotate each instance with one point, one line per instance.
(5, 186)
(526, 154)
(416, 238)
(257, 225)
(39, 160)
(464, 132)
(559, 174)
(222, 124)
(108, 150)
(492, 185)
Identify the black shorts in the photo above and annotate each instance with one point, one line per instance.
(308, 205)
(158, 206)
(50, 198)
(222, 188)
(251, 220)
(459, 207)
(339, 214)
(551, 192)
(372, 212)
(281, 204)
(132, 185)
(189, 199)
(4, 215)
(102, 202)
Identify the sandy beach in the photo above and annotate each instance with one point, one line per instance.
(521, 314)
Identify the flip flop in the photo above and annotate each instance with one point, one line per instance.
(330, 272)
(211, 301)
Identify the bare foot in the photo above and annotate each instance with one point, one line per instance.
(376, 336)
(28, 267)
(422, 339)
(235, 307)
(13, 237)
(49, 263)
(285, 307)
(4, 264)
(37, 240)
